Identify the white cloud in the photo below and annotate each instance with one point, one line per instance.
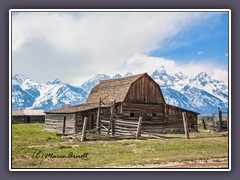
(221, 75)
(200, 52)
(149, 64)
(76, 46)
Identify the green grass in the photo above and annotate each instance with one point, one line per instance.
(28, 139)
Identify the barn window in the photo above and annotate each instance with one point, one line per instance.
(154, 115)
(131, 114)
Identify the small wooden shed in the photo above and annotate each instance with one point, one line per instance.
(131, 97)
(28, 116)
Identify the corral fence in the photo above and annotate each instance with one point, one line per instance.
(114, 128)
(216, 121)
(109, 127)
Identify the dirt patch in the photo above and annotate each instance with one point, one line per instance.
(206, 163)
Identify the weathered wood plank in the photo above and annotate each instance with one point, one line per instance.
(185, 123)
(139, 127)
(83, 137)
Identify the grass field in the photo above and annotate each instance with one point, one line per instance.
(33, 147)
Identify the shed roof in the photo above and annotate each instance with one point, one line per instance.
(76, 108)
(17, 112)
(112, 89)
(28, 112)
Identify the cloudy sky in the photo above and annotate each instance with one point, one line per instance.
(75, 46)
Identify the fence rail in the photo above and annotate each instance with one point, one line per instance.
(115, 127)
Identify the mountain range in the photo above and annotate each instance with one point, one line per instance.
(201, 93)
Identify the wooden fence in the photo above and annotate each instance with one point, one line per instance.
(113, 127)
(216, 121)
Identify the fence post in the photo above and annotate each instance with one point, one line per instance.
(98, 116)
(111, 123)
(185, 123)
(220, 118)
(213, 123)
(112, 120)
(64, 124)
(84, 129)
(139, 127)
(164, 115)
(204, 125)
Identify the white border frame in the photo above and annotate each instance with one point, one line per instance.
(120, 10)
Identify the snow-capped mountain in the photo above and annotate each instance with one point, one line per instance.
(201, 93)
(128, 74)
(52, 95)
(117, 76)
(88, 85)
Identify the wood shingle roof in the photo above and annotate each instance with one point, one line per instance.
(112, 89)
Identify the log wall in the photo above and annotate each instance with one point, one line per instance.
(91, 123)
(54, 123)
(158, 118)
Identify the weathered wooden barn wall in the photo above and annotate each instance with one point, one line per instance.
(18, 119)
(92, 118)
(27, 116)
(174, 121)
(156, 118)
(152, 115)
(54, 122)
(144, 90)
(35, 119)
(28, 119)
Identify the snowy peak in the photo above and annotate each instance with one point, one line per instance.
(56, 81)
(161, 70)
(29, 94)
(88, 85)
(203, 78)
(17, 79)
(99, 77)
(202, 75)
(180, 76)
(128, 74)
(117, 76)
(161, 77)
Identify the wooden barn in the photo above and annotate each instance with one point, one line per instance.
(126, 99)
(28, 116)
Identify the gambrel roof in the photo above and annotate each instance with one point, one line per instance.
(112, 89)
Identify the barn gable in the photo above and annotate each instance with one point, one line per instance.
(144, 90)
(127, 89)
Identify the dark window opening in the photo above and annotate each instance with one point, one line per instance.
(131, 114)
(154, 115)
(28, 119)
